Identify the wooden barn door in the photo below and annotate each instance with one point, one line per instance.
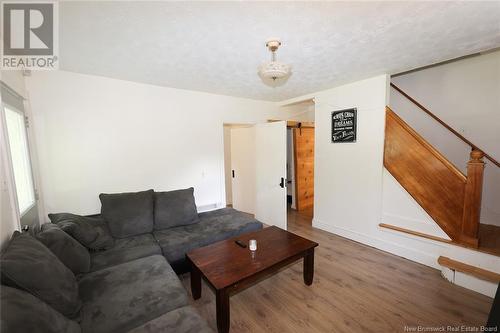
(303, 139)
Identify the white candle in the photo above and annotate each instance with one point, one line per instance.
(252, 245)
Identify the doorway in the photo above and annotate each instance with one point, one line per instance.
(255, 170)
(300, 167)
(269, 168)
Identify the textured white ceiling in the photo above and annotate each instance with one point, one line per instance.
(217, 46)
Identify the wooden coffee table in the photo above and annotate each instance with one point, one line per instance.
(229, 268)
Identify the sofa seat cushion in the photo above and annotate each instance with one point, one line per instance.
(23, 312)
(66, 248)
(128, 214)
(29, 265)
(212, 227)
(182, 320)
(122, 297)
(223, 211)
(125, 250)
(175, 208)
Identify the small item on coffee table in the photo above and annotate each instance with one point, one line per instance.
(252, 245)
(240, 243)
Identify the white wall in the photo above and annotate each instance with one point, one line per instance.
(400, 209)
(15, 80)
(348, 176)
(466, 95)
(97, 134)
(302, 111)
(350, 193)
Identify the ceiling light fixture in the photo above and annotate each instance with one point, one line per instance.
(274, 70)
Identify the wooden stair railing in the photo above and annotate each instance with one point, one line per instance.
(445, 125)
(452, 199)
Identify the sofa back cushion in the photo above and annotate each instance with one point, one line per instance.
(128, 214)
(91, 232)
(66, 248)
(29, 265)
(175, 208)
(23, 312)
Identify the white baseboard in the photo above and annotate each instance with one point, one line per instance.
(382, 244)
(207, 208)
(470, 282)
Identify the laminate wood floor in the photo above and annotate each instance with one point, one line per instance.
(356, 288)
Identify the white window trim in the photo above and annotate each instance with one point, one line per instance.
(6, 159)
(10, 164)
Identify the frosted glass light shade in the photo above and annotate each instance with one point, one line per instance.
(274, 70)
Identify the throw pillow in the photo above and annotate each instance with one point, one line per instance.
(29, 265)
(175, 208)
(76, 226)
(90, 231)
(104, 240)
(128, 214)
(65, 247)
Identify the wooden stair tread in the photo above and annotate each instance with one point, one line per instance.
(480, 273)
(491, 247)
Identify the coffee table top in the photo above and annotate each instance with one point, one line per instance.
(225, 263)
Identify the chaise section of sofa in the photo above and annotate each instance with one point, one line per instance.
(211, 227)
(125, 296)
(181, 320)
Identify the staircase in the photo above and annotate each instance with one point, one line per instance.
(451, 198)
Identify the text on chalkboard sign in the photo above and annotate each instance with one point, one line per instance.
(344, 125)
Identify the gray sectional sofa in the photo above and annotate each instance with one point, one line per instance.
(112, 272)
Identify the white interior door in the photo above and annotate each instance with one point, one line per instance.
(243, 168)
(270, 173)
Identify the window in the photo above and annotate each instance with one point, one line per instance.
(18, 143)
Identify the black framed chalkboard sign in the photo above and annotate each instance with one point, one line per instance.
(344, 125)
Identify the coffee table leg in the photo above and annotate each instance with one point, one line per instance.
(195, 282)
(222, 305)
(309, 267)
